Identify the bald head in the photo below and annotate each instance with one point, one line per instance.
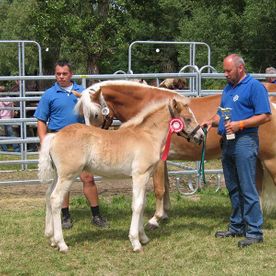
(234, 69)
(236, 59)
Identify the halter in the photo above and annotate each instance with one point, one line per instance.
(105, 112)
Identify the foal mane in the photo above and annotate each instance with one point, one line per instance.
(151, 108)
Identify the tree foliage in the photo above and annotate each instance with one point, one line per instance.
(95, 34)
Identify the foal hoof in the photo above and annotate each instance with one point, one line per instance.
(152, 226)
(138, 250)
(144, 240)
(63, 248)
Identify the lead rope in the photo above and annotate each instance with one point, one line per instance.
(201, 171)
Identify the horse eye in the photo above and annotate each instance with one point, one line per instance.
(96, 116)
(188, 120)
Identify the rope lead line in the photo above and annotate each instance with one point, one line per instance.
(201, 171)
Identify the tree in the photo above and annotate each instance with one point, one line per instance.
(259, 27)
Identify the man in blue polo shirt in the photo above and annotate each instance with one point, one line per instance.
(55, 111)
(244, 106)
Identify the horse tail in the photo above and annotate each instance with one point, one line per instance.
(46, 169)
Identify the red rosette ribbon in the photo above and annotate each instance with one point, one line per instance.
(176, 125)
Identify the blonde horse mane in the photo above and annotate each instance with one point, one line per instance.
(85, 106)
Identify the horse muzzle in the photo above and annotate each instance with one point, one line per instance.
(196, 135)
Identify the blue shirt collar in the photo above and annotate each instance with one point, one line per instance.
(243, 81)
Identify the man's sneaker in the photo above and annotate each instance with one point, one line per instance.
(66, 223)
(227, 234)
(99, 221)
(249, 241)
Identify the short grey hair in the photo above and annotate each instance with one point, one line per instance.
(270, 70)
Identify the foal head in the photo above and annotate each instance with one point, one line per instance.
(166, 110)
(192, 131)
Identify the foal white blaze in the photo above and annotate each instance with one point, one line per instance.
(105, 153)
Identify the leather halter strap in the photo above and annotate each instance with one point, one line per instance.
(107, 118)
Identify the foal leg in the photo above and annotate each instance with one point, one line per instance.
(167, 201)
(161, 190)
(49, 228)
(139, 188)
(56, 198)
(142, 235)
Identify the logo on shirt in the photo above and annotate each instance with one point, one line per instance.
(235, 98)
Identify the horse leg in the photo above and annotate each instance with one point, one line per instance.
(142, 235)
(268, 194)
(57, 196)
(167, 201)
(161, 190)
(138, 189)
(49, 228)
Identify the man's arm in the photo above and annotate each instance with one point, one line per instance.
(254, 121)
(41, 130)
(212, 122)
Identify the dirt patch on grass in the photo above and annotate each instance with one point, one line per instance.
(23, 189)
(27, 187)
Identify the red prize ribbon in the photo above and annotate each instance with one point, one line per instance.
(176, 125)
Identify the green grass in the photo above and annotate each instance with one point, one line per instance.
(183, 245)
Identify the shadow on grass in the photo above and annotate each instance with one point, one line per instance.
(204, 217)
(182, 219)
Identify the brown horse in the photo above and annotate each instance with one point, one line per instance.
(270, 87)
(125, 99)
(174, 84)
(105, 153)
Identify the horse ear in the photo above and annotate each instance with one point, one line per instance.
(174, 104)
(95, 97)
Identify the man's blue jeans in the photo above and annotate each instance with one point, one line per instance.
(239, 168)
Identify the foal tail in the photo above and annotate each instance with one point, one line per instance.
(46, 170)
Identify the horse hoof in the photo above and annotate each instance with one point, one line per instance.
(144, 240)
(165, 217)
(138, 250)
(63, 249)
(151, 226)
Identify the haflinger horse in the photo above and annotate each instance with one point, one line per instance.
(64, 155)
(270, 87)
(124, 99)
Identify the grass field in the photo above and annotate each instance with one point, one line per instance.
(183, 245)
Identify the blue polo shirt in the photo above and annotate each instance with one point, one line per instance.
(56, 107)
(248, 98)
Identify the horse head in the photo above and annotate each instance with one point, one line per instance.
(174, 84)
(93, 107)
(191, 130)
